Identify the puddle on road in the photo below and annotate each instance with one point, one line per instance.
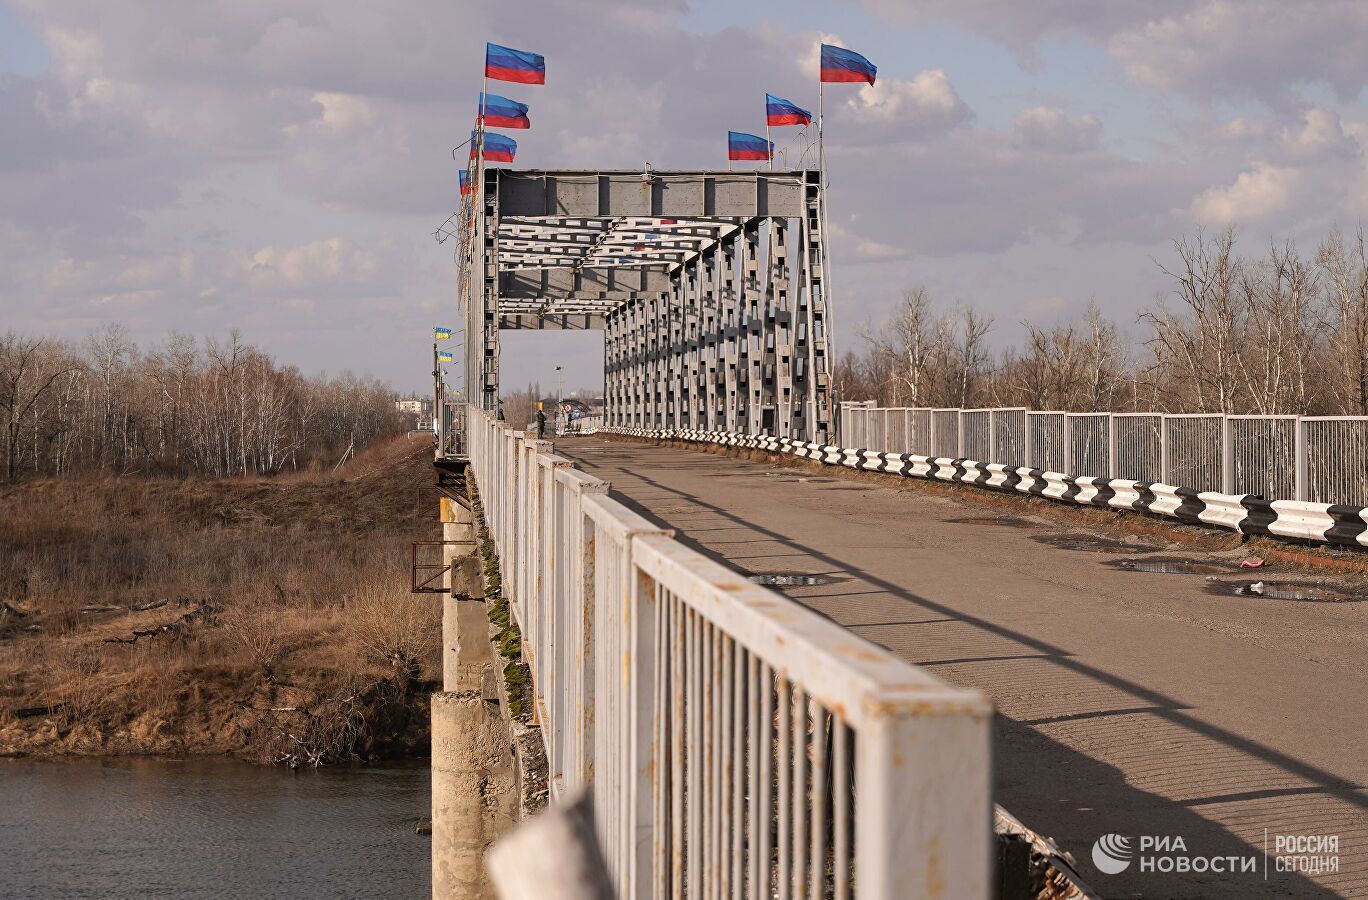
(789, 579)
(1172, 566)
(1090, 542)
(1283, 590)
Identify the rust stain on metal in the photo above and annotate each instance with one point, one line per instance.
(935, 878)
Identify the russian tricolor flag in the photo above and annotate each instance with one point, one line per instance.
(507, 64)
(497, 148)
(840, 64)
(466, 186)
(500, 112)
(779, 111)
(748, 146)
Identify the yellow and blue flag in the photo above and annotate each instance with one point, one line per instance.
(441, 333)
(444, 355)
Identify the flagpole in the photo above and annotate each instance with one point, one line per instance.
(476, 207)
(769, 143)
(821, 157)
(829, 307)
(484, 92)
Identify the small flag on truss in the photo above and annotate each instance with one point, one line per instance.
(466, 186)
(500, 112)
(497, 147)
(445, 355)
(748, 146)
(507, 64)
(441, 333)
(840, 64)
(779, 111)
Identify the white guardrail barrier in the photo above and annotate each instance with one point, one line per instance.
(1316, 459)
(735, 742)
(1248, 514)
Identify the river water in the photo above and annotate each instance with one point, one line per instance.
(153, 828)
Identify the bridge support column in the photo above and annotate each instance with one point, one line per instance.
(473, 791)
(474, 784)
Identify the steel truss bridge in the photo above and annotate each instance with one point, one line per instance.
(730, 740)
(709, 286)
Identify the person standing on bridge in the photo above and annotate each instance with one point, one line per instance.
(541, 423)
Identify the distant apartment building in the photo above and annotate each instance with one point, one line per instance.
(418, 407)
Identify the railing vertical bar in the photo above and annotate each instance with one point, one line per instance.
(840, 826)
(693, 757)
(708, 837)
(726, 764)
(664, 728)
(817, 854)
(754, 744)
(736, 814)
(800, 794)
(679, 727)
(765, 748)
(784, 759)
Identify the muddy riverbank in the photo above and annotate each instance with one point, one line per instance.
(264, 619)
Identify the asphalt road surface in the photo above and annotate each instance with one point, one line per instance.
(1128, 702)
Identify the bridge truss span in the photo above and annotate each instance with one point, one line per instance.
(709, 288)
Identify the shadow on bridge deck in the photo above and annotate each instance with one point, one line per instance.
(1128, 702)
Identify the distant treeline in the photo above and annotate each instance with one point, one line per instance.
(1278, 334)
(212, 408)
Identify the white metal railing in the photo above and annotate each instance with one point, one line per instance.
(735, 742)
(1321, 459)
(583, 424)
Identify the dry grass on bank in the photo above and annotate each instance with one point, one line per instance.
(269, 619)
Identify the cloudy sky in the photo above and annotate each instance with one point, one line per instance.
(280, 166)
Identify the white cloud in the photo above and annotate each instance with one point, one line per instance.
(1255, 194)
(332, 263)
(342, 112)
(1256, 48)
(1320, 133)
(927, 102)
(1049, 128)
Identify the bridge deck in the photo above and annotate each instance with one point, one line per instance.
(1128, 702)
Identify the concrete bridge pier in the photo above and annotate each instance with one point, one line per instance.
(474, 797)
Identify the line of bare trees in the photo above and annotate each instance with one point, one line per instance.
(213, 408)
(1278, 334)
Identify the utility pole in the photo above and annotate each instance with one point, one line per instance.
(558, 385)
(437, 400)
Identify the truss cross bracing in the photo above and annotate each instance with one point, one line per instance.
(708, 285)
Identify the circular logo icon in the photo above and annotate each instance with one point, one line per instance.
(1111, 854)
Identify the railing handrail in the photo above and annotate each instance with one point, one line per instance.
(831, 663)
(660, 674)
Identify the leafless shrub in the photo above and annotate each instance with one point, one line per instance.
(396, 629)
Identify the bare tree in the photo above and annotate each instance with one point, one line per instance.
(22, 386)
(228, 409)
(1198, 342)
(1345, 266)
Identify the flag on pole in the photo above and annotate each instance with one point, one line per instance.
(500, 112)
(464, 176)
(840, 64)
(441, 333)
(507, 64)
(445, 355)
(748, 146)
(779, 111)
(497, 147)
